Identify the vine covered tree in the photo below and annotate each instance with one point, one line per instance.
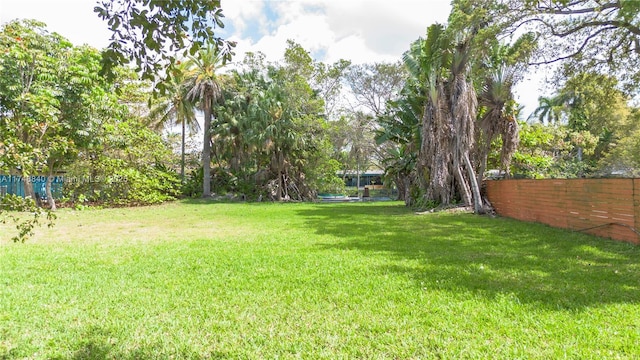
(459, 96)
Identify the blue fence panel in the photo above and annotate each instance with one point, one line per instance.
(14, 184)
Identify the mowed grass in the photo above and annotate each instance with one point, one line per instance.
(197, 280)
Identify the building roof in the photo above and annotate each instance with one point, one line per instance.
(362, 173)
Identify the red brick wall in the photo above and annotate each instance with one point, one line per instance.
(574, 204)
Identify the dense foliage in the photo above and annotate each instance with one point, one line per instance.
(437, 121)
(58, 116)
(456, 116)
(269, 137)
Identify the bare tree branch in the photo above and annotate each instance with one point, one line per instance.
(582, 47)
(549, 10)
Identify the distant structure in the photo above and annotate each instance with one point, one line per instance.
(368, 178)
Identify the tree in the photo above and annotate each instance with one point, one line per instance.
(150, 32)
(441, 64)
(50, 89)
(123, 161)
(373, 85)
(550, 109)
(29, 106)
(175, 108)
(46, 92)
(551, 151)
(401, 125)
(270, 136)
(327, 81)
(497, 73)
(623, 157)
(599, 35)
(203, 86)
(80, 89)
(361, 141)
(498, 118)
(460, 77)
(592, 106)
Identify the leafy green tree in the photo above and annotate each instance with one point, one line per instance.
(123, 166)
(596, 105)
(593, 107)
(47, 89)
(270, 137)
(496, 74)
(551, 152)
(29, 105)
(50, 90)
(124, 162)
(151, 32)
(623, 156)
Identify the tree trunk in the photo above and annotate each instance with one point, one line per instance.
(358, 176)
(400, 184)
(483, 167)
(28, 187)
(182, 150)
(463, 186)
(279, 165)
(475, 187)
(206, 152)
(50, 199)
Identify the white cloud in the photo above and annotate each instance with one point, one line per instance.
(311, 31)
(358, 30)
(243, 11)
(386, 27)
(354, 48)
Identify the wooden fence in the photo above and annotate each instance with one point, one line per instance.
(603, 207)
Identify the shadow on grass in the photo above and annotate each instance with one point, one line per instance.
(489, 257)
(97, 343)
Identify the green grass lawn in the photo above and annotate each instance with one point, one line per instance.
(195, 280)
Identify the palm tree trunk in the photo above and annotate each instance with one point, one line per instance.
(280, 180)
(206, 151)
(182, 150)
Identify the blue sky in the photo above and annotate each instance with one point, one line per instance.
(358, 30)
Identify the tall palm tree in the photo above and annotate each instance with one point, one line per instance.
(551, 109)
(203, 84)
(176, 109)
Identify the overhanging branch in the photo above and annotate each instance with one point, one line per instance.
(580, 49)
(565, 11)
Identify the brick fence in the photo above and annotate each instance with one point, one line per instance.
(603, 207)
